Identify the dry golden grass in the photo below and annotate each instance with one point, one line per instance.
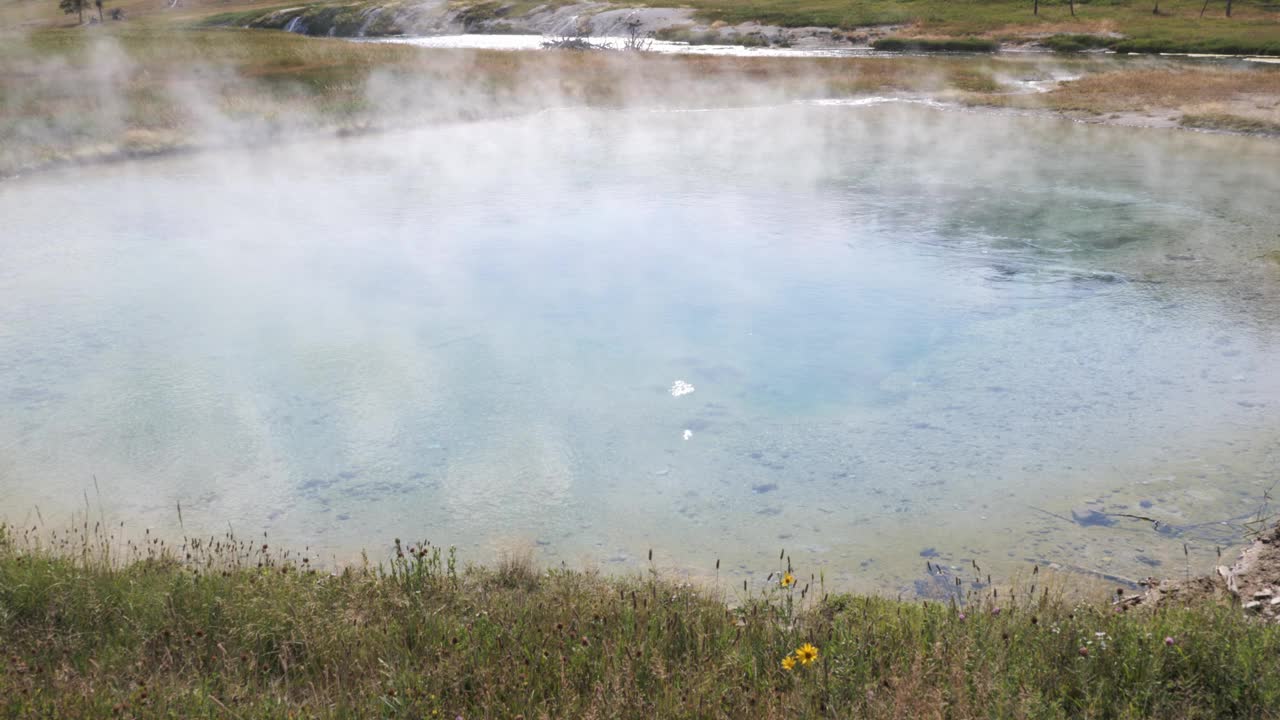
(1063, 26)
(1220, 117)
(155, 82)
(1231, 100)
(69, 94)
(1176, 89)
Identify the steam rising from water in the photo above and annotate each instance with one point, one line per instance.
(906, 326)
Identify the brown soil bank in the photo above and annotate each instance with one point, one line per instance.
(1252, 583)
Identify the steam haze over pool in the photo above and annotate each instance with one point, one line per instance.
(907, 329)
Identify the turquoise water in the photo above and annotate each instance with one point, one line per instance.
(910, 331)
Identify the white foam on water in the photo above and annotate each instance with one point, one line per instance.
(874, 100)
(666, 47)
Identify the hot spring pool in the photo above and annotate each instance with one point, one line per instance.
(910, 333)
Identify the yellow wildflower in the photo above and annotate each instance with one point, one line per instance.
(806, 653)
(788, 580)
(788, 662)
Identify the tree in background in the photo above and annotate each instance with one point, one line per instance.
(1206, 7)
(74, 6)
(98, 4)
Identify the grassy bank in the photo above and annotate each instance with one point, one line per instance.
(1126, 25)
(223, 628)
(922, 44)
(1253, 26)
(1197, 98)
(1227, 121)
(1123, 25)
(157, 84)
(917, 25)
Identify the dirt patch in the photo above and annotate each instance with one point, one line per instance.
(1253, 583)
(1104, 27)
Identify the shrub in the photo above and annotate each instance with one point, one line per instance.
(956, 44)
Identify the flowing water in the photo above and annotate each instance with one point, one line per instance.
(478, 41)
(869, 333)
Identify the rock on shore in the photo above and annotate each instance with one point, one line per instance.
(1252, 582)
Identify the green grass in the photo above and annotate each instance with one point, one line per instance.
(238, 18)
(691, 36)
(1254, 27)
(226, 628)
(954, 44)
(1211, 45)
(341, 20)
(1230, 122)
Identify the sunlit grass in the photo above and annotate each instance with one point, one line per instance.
(94, 626)
(1230, 121)
(1254, 25)
(1139, 89)
(1222, 99)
